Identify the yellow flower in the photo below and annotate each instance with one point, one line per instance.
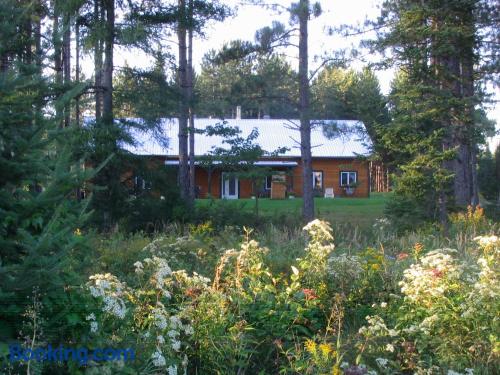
(336, 370)
(325, 349)
(310, 346)
(77, 232)
(375, 267)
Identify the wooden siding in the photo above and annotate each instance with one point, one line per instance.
(330, 167)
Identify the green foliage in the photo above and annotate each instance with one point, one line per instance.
(40, 215)
(264, 85)
(487, 176)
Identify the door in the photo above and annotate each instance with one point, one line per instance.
(229, 186)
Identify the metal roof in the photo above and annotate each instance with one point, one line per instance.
(350, 141)
(267, 163)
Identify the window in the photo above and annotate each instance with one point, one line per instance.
(269, 180)
(348, 178)
(317, 180)
(140, 184)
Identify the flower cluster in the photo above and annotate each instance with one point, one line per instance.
(345, 270)
(153, 316)
(111, 291)
(432, 278)
(321, 237)
(488, 242)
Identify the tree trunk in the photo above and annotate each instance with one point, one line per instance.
(107, 77)
(66, 62)
(467, 70)
(305, 125)
(183, 104)
(98, 19)
(58, 68)
(38, 37)
(77, 70)
(192, 171)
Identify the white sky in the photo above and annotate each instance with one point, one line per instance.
(250, 18)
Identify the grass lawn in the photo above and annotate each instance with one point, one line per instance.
(362, 211)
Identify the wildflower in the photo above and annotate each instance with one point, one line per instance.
(90, 317)
(94, 326)
(418, 248)
(77, 232)
(469, 371)
(175, 321)
(172, 334)
(487, 241)
(375, 267)
(188, 330)
(139, 267)
(382, 362)
(451, 372)
(160, 339)
(325, 349)
(172, 370)
(389, 348)
(402, 256)
(309, 294)
(176, 345)
(158, 358)
(310, 346)
(383, 305)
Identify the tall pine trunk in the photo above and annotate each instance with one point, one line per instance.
(183, 104)
(66, 62)
(192, 171)
(107, 76)
(98, 57)
(305, 123)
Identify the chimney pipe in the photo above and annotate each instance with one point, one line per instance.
(238, 112)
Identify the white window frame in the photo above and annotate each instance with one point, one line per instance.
(348, 173)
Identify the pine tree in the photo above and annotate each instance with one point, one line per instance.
(39, 174)
(436, 45)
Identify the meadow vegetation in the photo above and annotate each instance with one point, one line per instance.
(323, 299)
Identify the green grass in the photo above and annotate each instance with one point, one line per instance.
(361, 211)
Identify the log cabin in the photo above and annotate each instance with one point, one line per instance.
(340, 151)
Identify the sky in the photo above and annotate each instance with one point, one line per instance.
(250, 18)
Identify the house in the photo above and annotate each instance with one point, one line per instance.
(339, 151)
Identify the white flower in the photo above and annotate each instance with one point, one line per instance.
(160, 339)
(139, 267)
(160, 320)
(172, 334)
(176, 345)
(469, 371)
(344, 365)
(172, 370)
(382, 362)
(451, 372)
(90, 317)
(389, 348)
(175, 321)
(94, 326)
(158, 358)
(383, 305)
(188, 329)
(487, 241)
